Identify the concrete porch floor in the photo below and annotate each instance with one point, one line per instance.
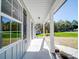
(38, 49)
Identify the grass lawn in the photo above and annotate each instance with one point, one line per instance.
(6, 34)
(39, 35)
(62, 34)
(64, 38)
(66, 34)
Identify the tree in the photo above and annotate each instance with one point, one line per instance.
(47, 27)
(65, 25)
(68, 26)
(74, 24)
(55, 26)
(39, 28)
(61, 26)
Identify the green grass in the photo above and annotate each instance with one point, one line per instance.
(66, 34)
(39, 35)
(6, 37)
(64, 38)
(13, 34)
(62, 34)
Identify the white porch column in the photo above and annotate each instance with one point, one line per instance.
(34, 34)
(52, 48)
(28, 28)
(43, 30)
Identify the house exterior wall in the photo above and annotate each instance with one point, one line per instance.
(17, 49)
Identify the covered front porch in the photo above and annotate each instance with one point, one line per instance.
(38, 49)
(28, 13)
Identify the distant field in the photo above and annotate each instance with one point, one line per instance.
(62, 34)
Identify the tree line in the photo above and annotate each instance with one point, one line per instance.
(60, 26)
(7, 26)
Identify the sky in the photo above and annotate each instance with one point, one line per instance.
(5, 19)
(69, 11)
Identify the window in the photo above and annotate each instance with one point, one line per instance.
(14, 32)
(10, 1)
(10, 31)
(15, 4)
(12, 8)
(6, 7)
(19, 31)
(15, 9)
(5, 23)
(20, 12)
(15, 13)
(32, 30)
(0, 33)
(24, 24)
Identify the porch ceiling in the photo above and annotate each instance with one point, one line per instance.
(40, 9)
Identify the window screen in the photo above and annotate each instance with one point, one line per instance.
(15, 13)
(6, 7)
(24, 24)
(15, 4)
(32, 30)
(12, 8)
(10, 1)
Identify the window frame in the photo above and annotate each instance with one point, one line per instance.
(13, 19)
(10, 40)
